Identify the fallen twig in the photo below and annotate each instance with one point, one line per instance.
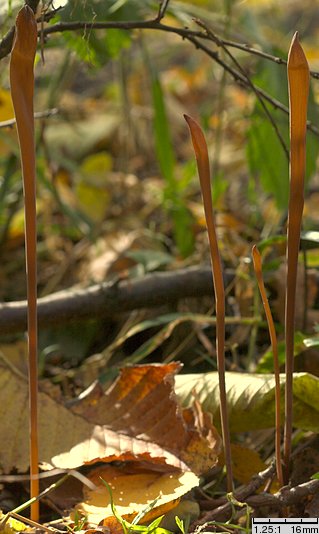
(241, 494)
(109, 299)
(287, 496)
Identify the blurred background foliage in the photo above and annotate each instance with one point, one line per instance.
(118, 194)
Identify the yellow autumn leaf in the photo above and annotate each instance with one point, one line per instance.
(12, 525)
(93, 201)
(6, 113)
(15, 355)
(260, 3)
(246, 463)
(6, 107)
(132, 492)
(16, 228)
(91, 189)
(96, 166)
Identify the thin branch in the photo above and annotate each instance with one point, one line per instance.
(7, 41)
(11, 479)
(257, 52)
(241, 80)
(285, 497)
(163, 5)
(38, 115)
(254, 51)
(222, 507)
(34, 524)
(33, 4)
(192, 36)
(152, 24)
(155, 24)
(220, 43)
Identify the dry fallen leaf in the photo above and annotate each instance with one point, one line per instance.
(246, 463)
(66, 439)
(142, 403)
(138, 422)
(133, 489)
(138, 419)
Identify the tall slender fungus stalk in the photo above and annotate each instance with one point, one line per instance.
(201, 153)
(22, 87)
(273, 339)
(298, 81)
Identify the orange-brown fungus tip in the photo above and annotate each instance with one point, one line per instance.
(296, 56)
(191, 122)
(256, 257)
(196, 133)
(295, 37)
(25, 16)
(26, 32)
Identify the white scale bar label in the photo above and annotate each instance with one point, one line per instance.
(289, 525)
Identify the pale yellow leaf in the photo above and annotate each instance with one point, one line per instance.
(133, 492)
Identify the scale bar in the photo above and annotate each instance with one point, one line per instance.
(287, 520)
(285, 525)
